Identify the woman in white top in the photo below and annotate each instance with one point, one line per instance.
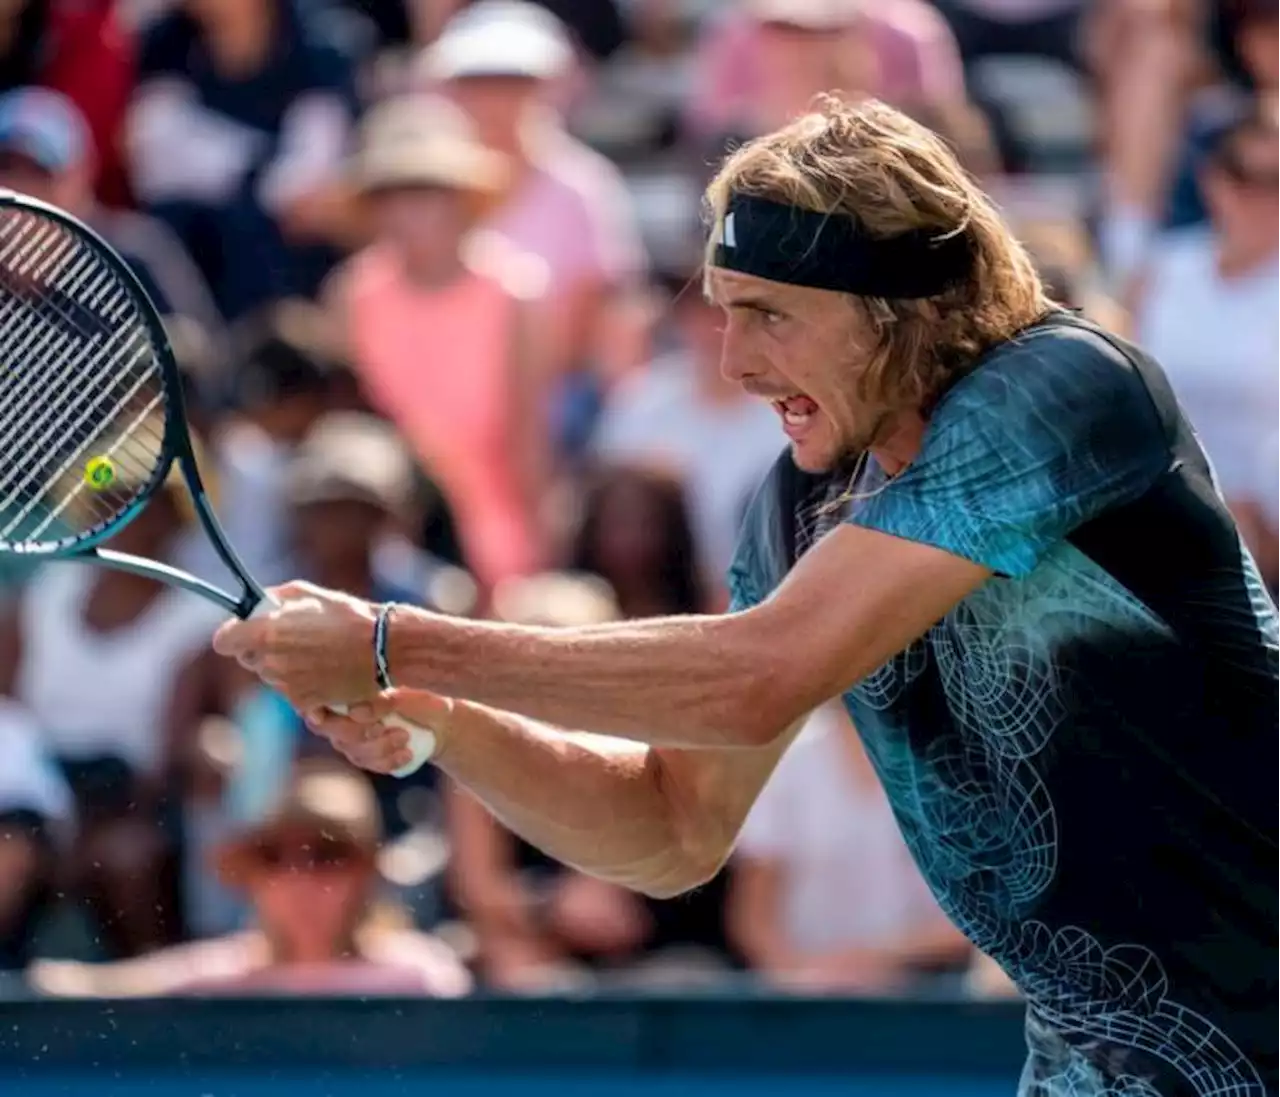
(115, 671)
(825, 895)
(1210, 313)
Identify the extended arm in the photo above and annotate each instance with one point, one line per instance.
(735, 680)
(719, 697)
(654, 820)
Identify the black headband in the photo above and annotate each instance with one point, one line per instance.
(830, 251)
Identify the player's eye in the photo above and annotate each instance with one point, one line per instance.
(762, 315)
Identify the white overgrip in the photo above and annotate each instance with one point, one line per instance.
(422, 742)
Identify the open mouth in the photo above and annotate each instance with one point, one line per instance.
(797, 412)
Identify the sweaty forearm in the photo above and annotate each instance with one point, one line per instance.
(594, 803)
(693, 682)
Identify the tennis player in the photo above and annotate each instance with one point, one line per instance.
(996, 538)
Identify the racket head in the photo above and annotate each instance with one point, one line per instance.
(91, 406)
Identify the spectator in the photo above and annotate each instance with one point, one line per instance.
(682, 412)
(765, 62)
(825, 896)
(237, 135)
(1253, 27)
(310, 874)
(541, 926)
(1209, 313)
(442, 337)
(504, 63)
(47, 151)
(350, 488)
(35, 806)
(636, 534)
(595, 28)
(1146, 57)
(1246, 33)
(84, 50)
(117, 673)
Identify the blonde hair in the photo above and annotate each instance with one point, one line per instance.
(892, 175)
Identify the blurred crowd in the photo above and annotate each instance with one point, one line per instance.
(431, 270)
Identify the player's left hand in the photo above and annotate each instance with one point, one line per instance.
(316, 647)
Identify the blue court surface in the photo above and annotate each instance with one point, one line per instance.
(617, 1046)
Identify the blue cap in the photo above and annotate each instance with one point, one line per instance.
(44, 126)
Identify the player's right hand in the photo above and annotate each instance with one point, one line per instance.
(362, 737)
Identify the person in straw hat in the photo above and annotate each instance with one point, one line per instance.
(439, 329)
(309, 871)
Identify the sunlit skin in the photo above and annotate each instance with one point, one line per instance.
(800, 349)
(497, 105)
(425, 225)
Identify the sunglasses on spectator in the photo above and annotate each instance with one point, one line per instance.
(322, 855)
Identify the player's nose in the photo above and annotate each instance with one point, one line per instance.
(737, 362)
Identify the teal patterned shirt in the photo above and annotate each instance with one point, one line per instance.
(1082, 753)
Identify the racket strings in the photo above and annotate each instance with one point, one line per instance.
(82, 394)
(75, 410)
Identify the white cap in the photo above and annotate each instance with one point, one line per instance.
(500, 38)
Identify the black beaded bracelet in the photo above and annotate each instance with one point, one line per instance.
(381, 629)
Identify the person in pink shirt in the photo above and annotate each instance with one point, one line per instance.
(309, 873)
(765, 60)
(508, 64)
(437, 323)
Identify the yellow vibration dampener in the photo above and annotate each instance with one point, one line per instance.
(100, 473)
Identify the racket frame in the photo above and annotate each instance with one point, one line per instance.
(176, 448)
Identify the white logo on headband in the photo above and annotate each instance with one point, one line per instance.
(730, 237)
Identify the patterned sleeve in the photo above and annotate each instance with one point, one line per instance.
(1041, 439)
(743, 585)
(758, 563)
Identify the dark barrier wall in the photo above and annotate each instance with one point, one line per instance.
(498, 1047)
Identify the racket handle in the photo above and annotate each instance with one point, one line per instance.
(422, 742)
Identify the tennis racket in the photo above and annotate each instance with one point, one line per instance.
(92, 421)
